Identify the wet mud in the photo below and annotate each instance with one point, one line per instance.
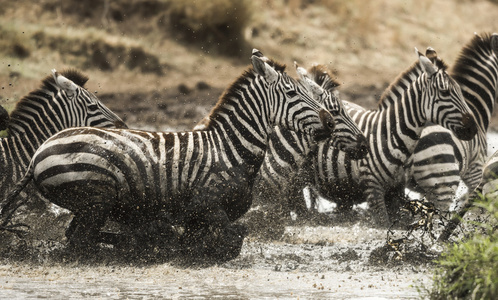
(345, 260)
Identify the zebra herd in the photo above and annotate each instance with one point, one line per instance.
(191, 187)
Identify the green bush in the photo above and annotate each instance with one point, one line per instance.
(469, 268)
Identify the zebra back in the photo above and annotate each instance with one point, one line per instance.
(441, 160)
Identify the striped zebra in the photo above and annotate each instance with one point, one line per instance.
(441, 161)
(61, 102)
(4, 118)
(424, 93)
(198, 181)
(489, 182)
(284, 173)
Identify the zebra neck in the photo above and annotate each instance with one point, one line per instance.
(476, 71)
(240, 145)
(480, 99)
(23, 146)
(403, 125)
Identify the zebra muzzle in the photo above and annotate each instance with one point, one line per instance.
(468, 128)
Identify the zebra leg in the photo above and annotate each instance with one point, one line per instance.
(375, 197)
(294, 191)
(471, 179)
(84, 230)
(462, 209)
(209, 233)
(455, 221)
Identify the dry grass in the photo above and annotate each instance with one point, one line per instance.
(124, 46)
(217, 25)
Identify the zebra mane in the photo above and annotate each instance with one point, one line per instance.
(407, 76)
(469, 51)
(440, 64)
(232, 92)
(48, 84)
(321, 75)
(413, 70)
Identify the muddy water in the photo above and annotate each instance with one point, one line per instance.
(308, 262)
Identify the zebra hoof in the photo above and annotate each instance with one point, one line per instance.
(229, 244)
(219, 246)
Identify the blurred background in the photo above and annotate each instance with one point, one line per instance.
(162, 64)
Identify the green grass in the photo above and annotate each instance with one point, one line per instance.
(468, 269)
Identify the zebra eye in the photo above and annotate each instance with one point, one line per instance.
(445, 93)
(93, 107)
(331, 124)
(291, 94)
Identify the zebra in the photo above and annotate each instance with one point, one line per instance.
(199, 182)
(284, 173)
(488, 186)
(423, 93)
(441, 161)
(4, 118)
(60, 102)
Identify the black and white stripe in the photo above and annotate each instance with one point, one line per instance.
(4, 118)
(194, 180)
(441, 160)
(424, 93)
(489, 182)
(283, 175)
(61, 102)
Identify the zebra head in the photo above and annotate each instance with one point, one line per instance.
(347, 136)
(289, 104)
(86, 108)
(445, 104)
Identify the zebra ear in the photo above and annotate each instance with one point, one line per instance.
(264, 69)
(431, 54)
(427, 66)
(62, 82)
(301, 71)
(309, 83)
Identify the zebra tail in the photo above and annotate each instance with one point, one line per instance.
(11, 203)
